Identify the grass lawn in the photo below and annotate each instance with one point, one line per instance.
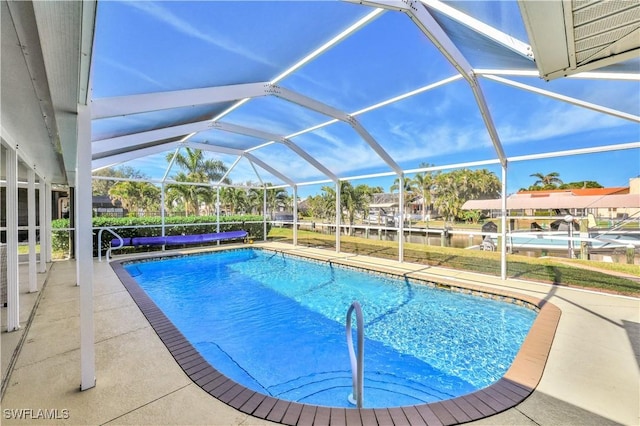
(563, 272)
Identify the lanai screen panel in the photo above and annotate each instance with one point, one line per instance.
(368, 67)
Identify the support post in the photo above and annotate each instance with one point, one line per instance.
(218, 209)
(338, 219)
(295, 215)
(162, 201)
(47, 218)
(13, 302)
(401, 219)
(84, 262)
(31, 226)
(503, 230)
(42, 225)
(264, 213)
(72, 221)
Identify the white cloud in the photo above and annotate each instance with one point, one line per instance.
(559, 121)
(164, 15)
(133, 71)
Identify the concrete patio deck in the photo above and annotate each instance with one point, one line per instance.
(592, 375)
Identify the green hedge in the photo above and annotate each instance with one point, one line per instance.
(137, 227)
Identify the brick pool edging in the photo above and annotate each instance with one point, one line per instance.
(514, 387)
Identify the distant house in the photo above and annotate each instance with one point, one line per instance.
(614, 203)
(103, 206)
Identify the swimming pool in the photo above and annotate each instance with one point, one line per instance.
(276, 324)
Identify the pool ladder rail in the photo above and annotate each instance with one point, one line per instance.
(357, 363)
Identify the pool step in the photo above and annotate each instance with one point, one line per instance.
(337, 385)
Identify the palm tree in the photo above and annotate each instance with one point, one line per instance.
(136, 196)
(548, 181)
(196, 169)
(186, 195)
(484, 184)
(276, 197)
(409, 188)
(234, 199)
(424, 182)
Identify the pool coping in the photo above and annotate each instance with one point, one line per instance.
(514, 387)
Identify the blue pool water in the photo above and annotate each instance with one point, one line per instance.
(276, 324)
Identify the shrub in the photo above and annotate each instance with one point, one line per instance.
(128, 227)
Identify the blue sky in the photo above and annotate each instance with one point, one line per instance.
(146, 47)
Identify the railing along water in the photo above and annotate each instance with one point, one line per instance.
(357, 364)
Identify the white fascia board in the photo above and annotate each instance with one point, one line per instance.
(480, 27)
(568, 99)
(135, 104)
(597, 75)
(545, 24)
(268, 168)
(134, 139)
(374, 145)
(589, 66)
(306, 102)
(114, 160)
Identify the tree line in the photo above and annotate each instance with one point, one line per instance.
(428, 194)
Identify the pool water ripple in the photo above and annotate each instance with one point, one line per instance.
(276, 324)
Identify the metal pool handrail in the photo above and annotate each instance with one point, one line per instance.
(357, 365)
(100, 242)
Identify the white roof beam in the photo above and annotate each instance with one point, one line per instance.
(270, 169)
(573, 101)
(374, 145)
(250, 157)
(364, 21)
(214, 148)
(423, 19)
(134, 139)
(295, 148)
(417, 12)
(306, 102)
(114, 160)
(480, 27)
(339, 115)
(242, 130)
(234, 128)
(134, 104)
(228, 172)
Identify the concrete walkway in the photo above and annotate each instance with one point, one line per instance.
(592, 376)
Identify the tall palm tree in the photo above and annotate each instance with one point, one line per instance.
(136, 196)
(484, 184)
(276, 197)
(423, 182)
(234, 199)
(194, 162)
(548, 181)
(196, 168)
(186, 195)
(449, 188)
(409, 189)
